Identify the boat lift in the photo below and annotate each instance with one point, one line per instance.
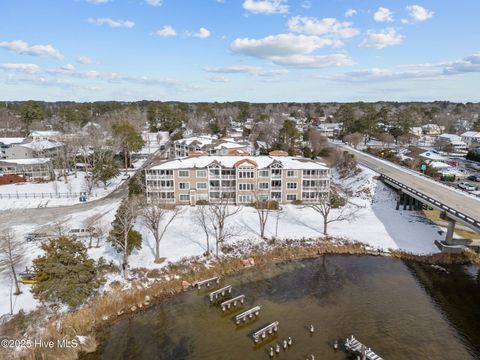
(220, 292)
(249, 314)
(226, 305)
(206, 282)
(263, 332)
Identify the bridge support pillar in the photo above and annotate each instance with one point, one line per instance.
(399, 199)
(405, 201)
(450, 230)
(410, 203)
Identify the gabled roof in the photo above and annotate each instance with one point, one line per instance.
(245, 161)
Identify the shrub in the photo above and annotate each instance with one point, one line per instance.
(297, 202)
(202, 202)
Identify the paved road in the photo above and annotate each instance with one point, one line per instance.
(41, 216)
(454, 199)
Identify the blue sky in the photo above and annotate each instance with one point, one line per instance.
(252, 50)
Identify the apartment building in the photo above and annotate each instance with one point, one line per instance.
(210, 145)
(241, 179)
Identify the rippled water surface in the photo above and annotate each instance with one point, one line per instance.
(401, 310)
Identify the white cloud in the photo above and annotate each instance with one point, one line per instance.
(291, 50)
(466, 65)
(154, 2)
(85, 60)
(418, 13)
(350, 13)
(313, 61)
(244, 69)
(383, 15)
(68, 67)
(98, 2)
(112, 23)
(306, 4)
(267, 7)
(22, 47)
(218, 78)
(382, 39)
(166, 31)
(24, 68)
(327, 26)
(202, 33)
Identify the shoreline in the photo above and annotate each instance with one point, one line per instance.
(104, 310)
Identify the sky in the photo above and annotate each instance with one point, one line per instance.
(240, 50)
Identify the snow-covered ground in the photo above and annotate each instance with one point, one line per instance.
(377, 224)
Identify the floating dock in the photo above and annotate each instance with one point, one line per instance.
(263, 332)
(249, 314)
(232, 302)
(206, 282)
(356, 347)
(220, 292)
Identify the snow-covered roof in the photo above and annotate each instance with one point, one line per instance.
(262, 162)
(202, 140)
(451, 137)
(44, 133)
(229, 145)
(439, 165)
(11, 140)
(42, 145)
(31, 161)
(469, 134)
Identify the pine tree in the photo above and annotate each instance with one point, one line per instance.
(65, 273)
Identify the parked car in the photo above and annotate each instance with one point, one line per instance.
(474, 177)
(125, 177)
(466, 186)
(83, 232)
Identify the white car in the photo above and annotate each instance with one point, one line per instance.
(466, 186)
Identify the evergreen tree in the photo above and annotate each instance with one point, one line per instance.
(31, 111)
(65, 273)
(122, 236)
(105, 169)
(130, 140)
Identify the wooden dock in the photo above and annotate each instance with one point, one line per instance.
(356, 347)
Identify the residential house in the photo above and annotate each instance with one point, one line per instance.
(7, 143)
(39, 169)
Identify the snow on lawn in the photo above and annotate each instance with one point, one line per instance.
(25, 301)
(45, 193)
(377, 224)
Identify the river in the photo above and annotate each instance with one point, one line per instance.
(401, 310)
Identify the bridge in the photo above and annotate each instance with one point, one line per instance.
(415, 189)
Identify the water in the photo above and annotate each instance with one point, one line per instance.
(401, 310)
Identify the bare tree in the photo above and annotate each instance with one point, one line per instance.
(353, 139)
(153, 213)
(278, 214)
(327, 202)
(12, 253)
(218, 214)
(263, 209)
(202, 220)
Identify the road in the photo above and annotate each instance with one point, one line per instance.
(454, 199)
(42, 216)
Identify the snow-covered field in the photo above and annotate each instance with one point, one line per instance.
(377, 224)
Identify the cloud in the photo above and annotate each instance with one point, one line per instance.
(470, 64)
(327, 26)
(202, 33)
(85, 60)
(154, 2)
(383, 15)
(112, 23)
(98, 2)
(350, 13)
(291, 50)
(22, 47)
(166, 31)
(418, 13)
(381, 39)
(218, 78)
(267, 7)
(23, 68)
(244, 69)
(306, 4)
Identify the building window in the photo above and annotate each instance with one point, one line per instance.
(166, 183)
(292, 185)
(276, 195)
(185, 197)
(246, 175)
(292, 173)
(291, 197)
(276, 172)
(245, 199)
(201, 173)
(183, 173)
(263, 185)
(245, 187)
(263, 173)
(276, 183)
(184, 186)
(201, 185)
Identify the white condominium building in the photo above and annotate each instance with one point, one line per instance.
(241, 179)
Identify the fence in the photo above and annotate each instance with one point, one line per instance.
(43, 195)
